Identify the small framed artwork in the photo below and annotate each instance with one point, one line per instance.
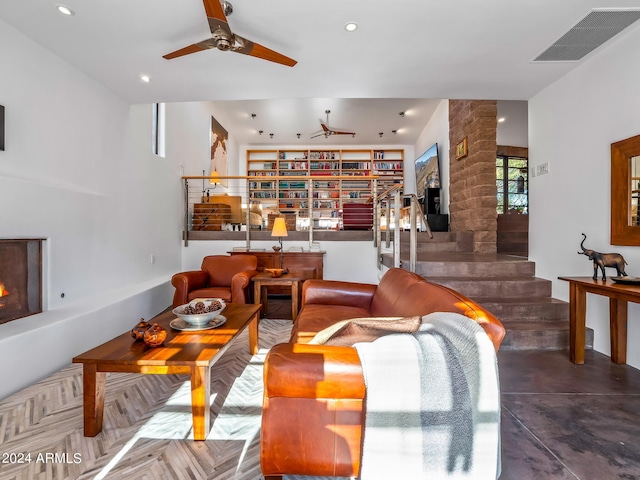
(461, 149)
(1, 127)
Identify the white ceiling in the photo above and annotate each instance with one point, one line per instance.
(404, 50)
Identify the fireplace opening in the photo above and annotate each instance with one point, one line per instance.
(20, 278)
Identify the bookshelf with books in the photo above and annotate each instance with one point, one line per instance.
(317, 190)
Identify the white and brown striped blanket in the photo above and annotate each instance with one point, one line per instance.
(432, 403)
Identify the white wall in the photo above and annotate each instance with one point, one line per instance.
(436, 131)
(78, 170)
(513, 131)
(190, 130)
(572, 124)
(347, 261)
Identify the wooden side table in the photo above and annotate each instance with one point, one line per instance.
(619, 295)
(292, 280)
(312, 263)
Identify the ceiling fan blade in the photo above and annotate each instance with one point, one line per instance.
(337, 132)
(196, 47)
(247, 47)
(324, 127)
(214, 9)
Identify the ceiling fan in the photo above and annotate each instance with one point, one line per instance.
(327, 132)
(223, 39)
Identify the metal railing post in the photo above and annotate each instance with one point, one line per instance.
(310, 211)
(185, 231)
(387, 232)
(248, 219)
(413, 234)
(396, 239)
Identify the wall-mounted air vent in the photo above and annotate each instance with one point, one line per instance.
(588, 34)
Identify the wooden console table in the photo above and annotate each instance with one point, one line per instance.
(619, 296)
(312, 262)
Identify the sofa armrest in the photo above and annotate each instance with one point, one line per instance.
(312, 411)
(185, 282)
(239, 283)
(313, 371)
(333, 292)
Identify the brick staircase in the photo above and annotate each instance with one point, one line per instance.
(506, 285)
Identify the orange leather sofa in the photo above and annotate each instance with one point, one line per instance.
(312, 413)
(221, 276)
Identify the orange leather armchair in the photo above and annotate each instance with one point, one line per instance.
(221, 276)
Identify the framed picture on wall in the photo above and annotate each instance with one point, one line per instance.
(219, 138)
(461, 149)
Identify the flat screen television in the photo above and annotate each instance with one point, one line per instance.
(427, 169)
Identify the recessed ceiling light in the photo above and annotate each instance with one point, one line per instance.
(501, 119)
(145, 78)
(351, 26)
(65, 10)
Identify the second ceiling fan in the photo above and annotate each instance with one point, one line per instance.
(224, 39)
(327, 131)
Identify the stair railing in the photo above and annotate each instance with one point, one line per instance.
(383, 202)
(415, 207)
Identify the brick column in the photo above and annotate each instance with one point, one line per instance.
(472, 179)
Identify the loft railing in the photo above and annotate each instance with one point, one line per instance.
(307, 203)
(238, 203)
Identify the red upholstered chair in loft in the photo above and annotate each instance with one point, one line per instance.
(221, 276)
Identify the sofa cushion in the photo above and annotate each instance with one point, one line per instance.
(392, 293)
(213, 292)
(316, 317)
(369, 329)
(323, 335)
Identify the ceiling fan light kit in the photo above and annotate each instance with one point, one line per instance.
(225, 40)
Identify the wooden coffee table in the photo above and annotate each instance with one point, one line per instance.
(190, 353)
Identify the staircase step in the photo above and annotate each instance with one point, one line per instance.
(441, 242)
(471, 265)
(536, 309)
(530, 336)
(504, 284)
(504, 287)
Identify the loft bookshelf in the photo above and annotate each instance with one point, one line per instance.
(311, 183)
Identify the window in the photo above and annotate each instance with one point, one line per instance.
(158, 129)
(512, 182)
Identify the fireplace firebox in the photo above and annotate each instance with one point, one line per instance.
(20, 278)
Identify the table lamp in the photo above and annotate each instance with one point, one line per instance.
(279, 230)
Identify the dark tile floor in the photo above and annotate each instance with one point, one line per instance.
(560, 420)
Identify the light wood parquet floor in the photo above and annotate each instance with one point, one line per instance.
(147, 424)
